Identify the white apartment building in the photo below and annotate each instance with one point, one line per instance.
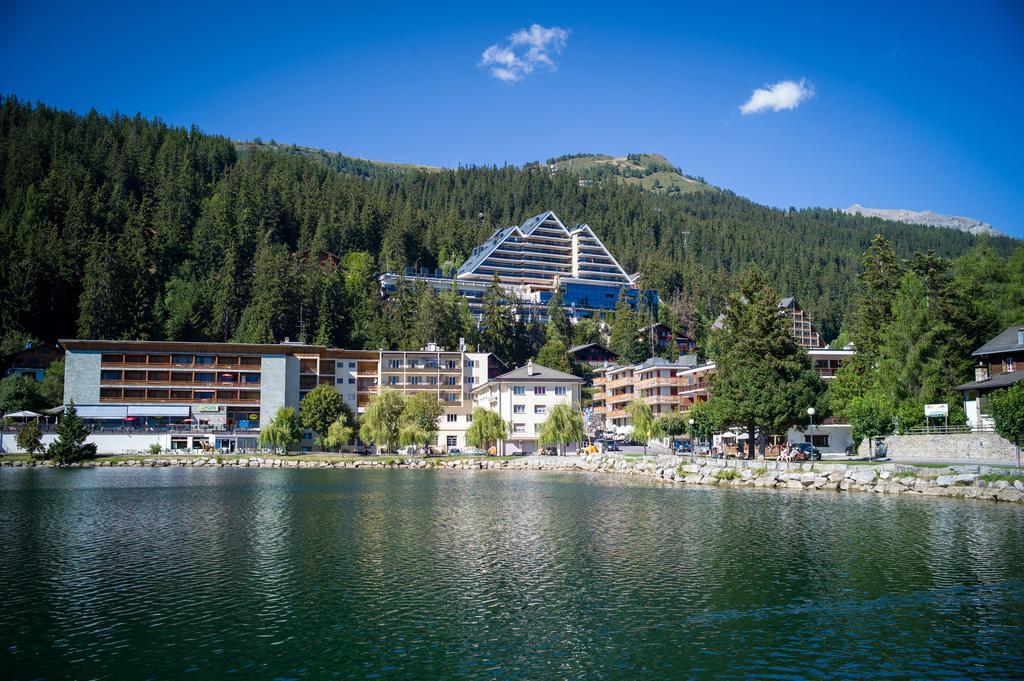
(522, 398)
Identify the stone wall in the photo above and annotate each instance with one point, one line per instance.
(964, 482)
(976, 447)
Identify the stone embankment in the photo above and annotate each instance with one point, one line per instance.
(969, 482)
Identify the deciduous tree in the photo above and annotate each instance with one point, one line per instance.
(381, 423)
(563, 425)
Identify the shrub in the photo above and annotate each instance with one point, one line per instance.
(727, 474)
(155, 449)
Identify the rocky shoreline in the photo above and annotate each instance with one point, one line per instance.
(966, 482)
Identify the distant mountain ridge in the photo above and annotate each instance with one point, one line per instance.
(926, 217)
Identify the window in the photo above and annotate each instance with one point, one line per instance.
(469, 418)
(251, 378)
(452, 440)
(392, 380)
(817, 440)
(204, 395)
(518, 427)
(415, 380)
(451, 380)
(469, 380)
(451, 418)
(414, 364)
(204, 377)
(518, 390)
(519, 409)
(339, 365)
(539, 390)
(351, 365)
(110, 375)
(181, 359)
(540, 409)
(560, 390)
(203, 359)
(432, 380)
(351, 381)
(395, 363)
(339, 380)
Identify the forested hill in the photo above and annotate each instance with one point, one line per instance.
(125, 227)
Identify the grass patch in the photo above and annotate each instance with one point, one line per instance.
(905, 474)
(727, 474)
(758, 472)
(1008, 477)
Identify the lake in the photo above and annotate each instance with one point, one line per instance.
(385, 574)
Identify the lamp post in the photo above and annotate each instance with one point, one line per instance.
(810, 423)
(693, 450)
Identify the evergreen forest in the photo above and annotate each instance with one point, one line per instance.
(123, 227)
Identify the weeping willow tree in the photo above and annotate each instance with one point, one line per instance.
(563, 425)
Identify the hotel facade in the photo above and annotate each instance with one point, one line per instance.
(532, 259)
(217, 395)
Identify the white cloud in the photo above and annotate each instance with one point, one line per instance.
(786, 94)
(525, 50)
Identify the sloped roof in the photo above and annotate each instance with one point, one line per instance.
(577, 348)
(1000, 381)
(540, 373)
(1007, 341)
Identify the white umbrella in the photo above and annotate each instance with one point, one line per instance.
(24, 414)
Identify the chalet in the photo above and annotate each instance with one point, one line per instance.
(593, 354)
(1000, 365)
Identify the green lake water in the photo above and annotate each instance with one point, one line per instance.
(288, 574)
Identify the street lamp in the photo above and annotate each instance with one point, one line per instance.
(810, 418)
(693, 450)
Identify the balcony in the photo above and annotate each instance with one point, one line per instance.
(658, 382)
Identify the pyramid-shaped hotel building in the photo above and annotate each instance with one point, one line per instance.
(529, 260)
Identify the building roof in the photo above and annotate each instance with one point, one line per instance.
(540, 373)
(578, 348)
(1000, 381)
(1007, 341)
(482, 253)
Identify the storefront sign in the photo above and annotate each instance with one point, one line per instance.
(936, 411)
(206, 407)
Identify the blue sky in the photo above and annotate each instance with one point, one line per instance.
(914, 105)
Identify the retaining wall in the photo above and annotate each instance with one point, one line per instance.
(975, 447)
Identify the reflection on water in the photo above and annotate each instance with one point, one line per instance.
(525, 575)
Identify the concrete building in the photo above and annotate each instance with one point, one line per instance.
(217, 395)
(829, 435)
(656, 381)
(523, 397)
(1000, 365)
(529, 261)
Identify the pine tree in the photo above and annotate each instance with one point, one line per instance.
(558, 326)
(625, 332)
(70, 445)
(764, 379)
(911, 360)
(499, 329)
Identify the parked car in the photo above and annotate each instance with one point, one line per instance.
(805, 451)
(473, 451)
(454, 451)
(548, 451)
(610, 446)
(684, 447)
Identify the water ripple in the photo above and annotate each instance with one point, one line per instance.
(171, 573)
